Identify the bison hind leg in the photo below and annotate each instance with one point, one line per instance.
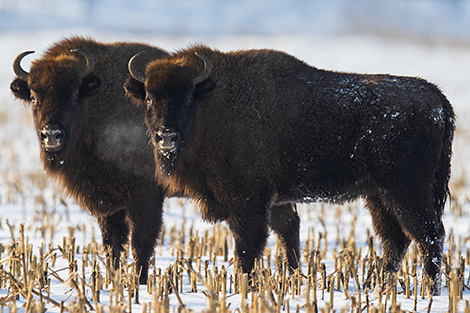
(431, 248)
(427, 229)
(421, 221)
(285, 222)
(394, 240)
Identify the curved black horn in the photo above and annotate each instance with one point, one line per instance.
(19, 71)
(90, 61)
(206, 72)
(136, 74)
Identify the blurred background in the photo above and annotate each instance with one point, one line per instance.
(429, 20)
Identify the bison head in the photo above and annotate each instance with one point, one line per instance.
(55, 87)
(170, 89)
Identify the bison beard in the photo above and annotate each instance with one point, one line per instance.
(272, 130)
(77, 99)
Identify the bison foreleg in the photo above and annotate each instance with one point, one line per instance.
(250, 231)
(115, 234)
(146, 224)
(285, 222)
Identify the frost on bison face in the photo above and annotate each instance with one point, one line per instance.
(55, 97)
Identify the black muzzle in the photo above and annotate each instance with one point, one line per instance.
(52, 137)
(167, 139)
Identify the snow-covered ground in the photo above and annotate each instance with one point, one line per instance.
(21, 173)
(23, 185)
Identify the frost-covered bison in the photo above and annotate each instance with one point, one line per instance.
(93, 139)
(250, 129)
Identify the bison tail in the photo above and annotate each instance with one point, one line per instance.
(442, 174)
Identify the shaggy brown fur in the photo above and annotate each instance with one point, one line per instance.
(105, 161)
(266, 128)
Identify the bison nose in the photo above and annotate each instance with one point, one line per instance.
(52, 137)
(167, 139)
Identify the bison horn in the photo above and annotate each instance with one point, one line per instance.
(19, 71)
(206, 72)
(90, 61)
(136, 74)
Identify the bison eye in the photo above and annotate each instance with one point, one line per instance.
(33, 100)
(75, 99)
(148, 101)
(189, 103)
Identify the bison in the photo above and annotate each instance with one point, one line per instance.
(93, 139)
(243, 131)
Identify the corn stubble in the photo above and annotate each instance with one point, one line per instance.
(348, 273)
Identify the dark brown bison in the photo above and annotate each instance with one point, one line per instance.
(250, 129)
(93, 139)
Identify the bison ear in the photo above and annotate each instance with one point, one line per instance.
(204, 88)
(20, 89)
(90, 84)
(135, 90)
